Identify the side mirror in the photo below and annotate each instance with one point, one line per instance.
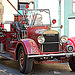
(53, 21)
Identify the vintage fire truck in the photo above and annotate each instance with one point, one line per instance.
(31, 39)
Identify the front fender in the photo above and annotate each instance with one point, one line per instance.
(30, 46)
(71, 41)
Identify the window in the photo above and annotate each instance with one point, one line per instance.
(73, 6)
(22, 5)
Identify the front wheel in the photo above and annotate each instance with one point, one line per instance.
(72, 63)
(25, 64)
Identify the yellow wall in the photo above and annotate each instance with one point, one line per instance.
(1, 12)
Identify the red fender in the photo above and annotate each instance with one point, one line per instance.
(71, 41)
(30, 46)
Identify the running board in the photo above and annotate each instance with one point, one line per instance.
(7, 55)
(52, 55)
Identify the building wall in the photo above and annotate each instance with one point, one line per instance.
(9, 11)
(26, 0)
(69, 19)
(67, 12)
(62, 17)
(53, 6)
(1, 12)
(36, 4)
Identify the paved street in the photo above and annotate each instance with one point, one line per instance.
(9, 67)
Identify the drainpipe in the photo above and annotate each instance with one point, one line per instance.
(59, 21)
(36, 4)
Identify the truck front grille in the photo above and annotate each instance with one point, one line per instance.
(51, 43)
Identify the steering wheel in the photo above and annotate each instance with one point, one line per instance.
(38, 19)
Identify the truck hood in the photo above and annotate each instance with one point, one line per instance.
(36, 31)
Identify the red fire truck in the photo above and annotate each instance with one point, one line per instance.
(31, 39)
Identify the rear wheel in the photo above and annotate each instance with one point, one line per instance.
(25, 64)
(72, 63)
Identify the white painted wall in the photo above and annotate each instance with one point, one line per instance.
(52, 5)
(71, 27)
(8, 10)
(62, 17)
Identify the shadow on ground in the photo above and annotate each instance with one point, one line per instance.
(38, 69)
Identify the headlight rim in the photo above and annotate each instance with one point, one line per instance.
(62, 37)
(41, 36)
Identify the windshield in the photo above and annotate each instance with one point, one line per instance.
(38, 17)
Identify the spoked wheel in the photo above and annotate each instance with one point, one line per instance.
(72, 63)
(25, 64)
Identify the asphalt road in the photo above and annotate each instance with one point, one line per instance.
(9, 67)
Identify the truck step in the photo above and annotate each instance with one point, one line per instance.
(6, 55)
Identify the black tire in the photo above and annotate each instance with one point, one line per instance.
(72, 64)
(28, 63)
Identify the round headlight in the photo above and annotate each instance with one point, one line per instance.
(64, 39)
(41, 39)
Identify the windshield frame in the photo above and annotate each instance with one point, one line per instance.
(41, 10)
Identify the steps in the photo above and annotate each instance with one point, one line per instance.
(6, 55)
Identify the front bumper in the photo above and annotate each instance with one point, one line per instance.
(52, 55)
